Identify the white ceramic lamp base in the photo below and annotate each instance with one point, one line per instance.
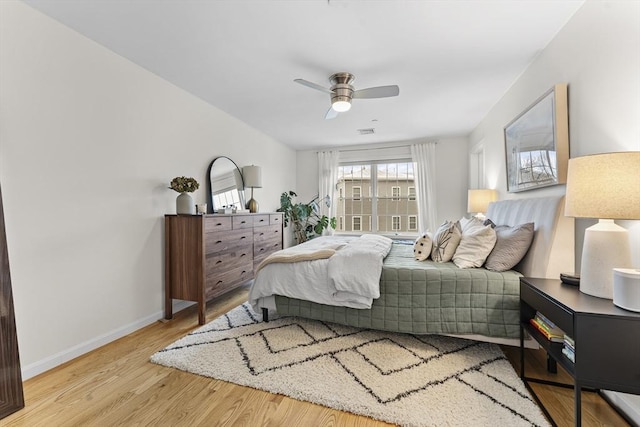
(606, 246)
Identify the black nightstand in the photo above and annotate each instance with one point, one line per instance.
(607, 338)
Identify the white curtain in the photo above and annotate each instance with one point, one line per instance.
(327, 179)
(424, 158)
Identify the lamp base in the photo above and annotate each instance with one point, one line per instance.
(606, 246)
(252, 205)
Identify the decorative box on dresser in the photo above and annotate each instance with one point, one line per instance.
(209, 255)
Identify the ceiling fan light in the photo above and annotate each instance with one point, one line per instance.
(341, 106)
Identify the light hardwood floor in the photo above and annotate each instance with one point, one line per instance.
(116, 385)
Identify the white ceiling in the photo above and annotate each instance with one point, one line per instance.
(453, 60)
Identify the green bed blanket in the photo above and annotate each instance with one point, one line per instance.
(424, 297)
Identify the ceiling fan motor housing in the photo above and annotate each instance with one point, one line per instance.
(341, 87)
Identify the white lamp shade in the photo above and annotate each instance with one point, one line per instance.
(604, 186)
(478, 200)
(252, 176)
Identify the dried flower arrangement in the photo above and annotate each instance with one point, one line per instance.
(182, 184)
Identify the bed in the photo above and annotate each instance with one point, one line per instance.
(425, 297)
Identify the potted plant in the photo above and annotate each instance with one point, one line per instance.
(305, 217)
(184, 186)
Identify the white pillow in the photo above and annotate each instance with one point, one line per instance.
(445, 241)
(422, 247)
(475, 245)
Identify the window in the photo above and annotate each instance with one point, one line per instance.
(390, 196)
(356, 223)
(341, 224)
(357, 192)
(413, 223)
(395, 193)
(411, 193)
(395, 223)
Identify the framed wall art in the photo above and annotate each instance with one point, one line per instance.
(537, 143)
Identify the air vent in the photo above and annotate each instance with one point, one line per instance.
(368, 131)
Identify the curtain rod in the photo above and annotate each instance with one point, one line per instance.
(371, 148)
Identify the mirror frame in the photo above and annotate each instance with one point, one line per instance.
(210, 208)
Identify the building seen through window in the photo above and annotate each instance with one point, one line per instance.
(377, 198)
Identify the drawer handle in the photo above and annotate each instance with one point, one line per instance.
(243, 237)
(219, 241)
(262, 234)
(219, 261)
(219, 281)
(242, 255)
(275, 245)
(243, 271)
(243, 222)
(218, 224)
(261, 249)
(276, 231)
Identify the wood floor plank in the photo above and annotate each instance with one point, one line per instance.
(116, 385)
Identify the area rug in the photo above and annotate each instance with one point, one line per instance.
(404, 379)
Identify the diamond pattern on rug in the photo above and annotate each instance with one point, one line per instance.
(405, 379)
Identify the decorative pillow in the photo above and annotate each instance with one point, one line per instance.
(445, 241)
(422, 247)
(475, 245)
(511, 246)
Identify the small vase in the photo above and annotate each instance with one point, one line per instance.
(185, 205)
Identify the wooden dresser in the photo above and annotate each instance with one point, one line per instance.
(208, 255)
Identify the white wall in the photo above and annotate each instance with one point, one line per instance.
(88, 144)
(598, 54)
(452, 174)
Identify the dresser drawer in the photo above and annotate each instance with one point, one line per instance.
(275, 219)
(227, 240)
(263, 234)
(263, 251)
(220, 263)
(260, 220)
(242, 221)
(219, 284)
(217, 223)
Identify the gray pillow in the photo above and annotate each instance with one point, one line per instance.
(446, 241)
(511, 246)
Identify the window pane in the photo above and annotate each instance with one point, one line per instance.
(393, 201)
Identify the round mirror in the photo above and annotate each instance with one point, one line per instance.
(226, 187)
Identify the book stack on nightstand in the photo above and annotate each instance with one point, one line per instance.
(547, 328)
(569, 348)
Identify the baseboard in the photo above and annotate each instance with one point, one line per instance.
(629, 404)
(37, 368)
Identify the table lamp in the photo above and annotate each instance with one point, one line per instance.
(604, 186)
(252, 176)
(478, 201)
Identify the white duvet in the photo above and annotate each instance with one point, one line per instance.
(349, 278)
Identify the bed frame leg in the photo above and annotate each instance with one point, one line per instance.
(265, 314)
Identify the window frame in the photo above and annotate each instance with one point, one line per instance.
(415, 222)
(353, 218)
(393, 225)
(353, 193)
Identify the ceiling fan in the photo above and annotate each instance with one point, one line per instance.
(342, 92)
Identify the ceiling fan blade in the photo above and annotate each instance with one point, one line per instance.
(331, 114)
(314, 86)
(377, 92)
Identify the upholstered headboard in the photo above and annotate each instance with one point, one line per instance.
(552, 251)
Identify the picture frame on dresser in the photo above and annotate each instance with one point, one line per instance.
(537, 143)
